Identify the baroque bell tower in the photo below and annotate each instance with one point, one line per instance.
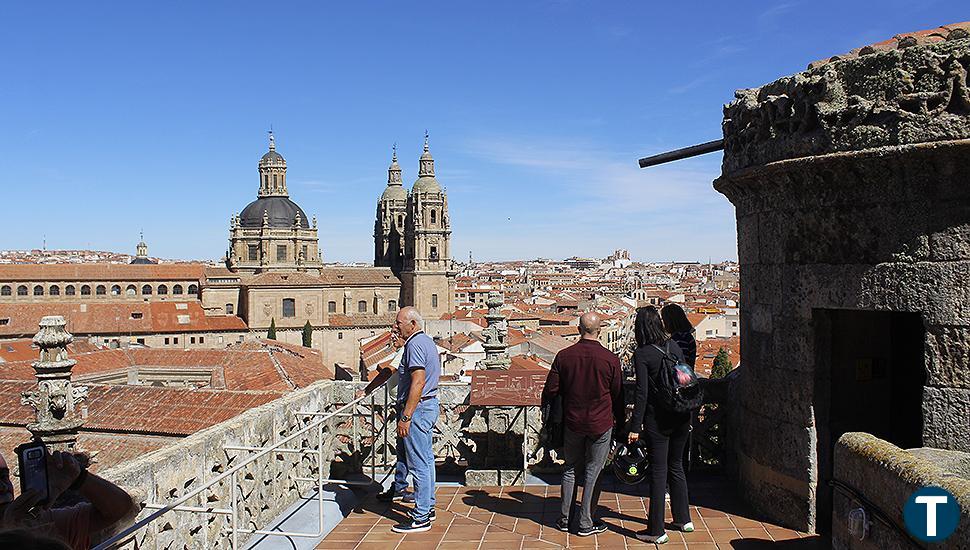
(389, 224)
(428, 278)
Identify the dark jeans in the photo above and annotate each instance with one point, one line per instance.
(666, 468)
(586, 453)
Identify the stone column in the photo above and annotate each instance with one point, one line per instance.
(497, 431)
(55, 400)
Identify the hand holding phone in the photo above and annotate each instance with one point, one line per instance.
(32, 458)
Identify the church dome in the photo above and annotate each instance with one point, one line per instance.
(272, 156)
(426, 184)
(394, 193)
(281, 212)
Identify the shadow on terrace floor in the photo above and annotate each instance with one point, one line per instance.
(523, 517)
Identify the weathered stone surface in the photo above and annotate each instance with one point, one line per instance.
(893, 97)
(887, 476)
(784, 447)
(938, 290)
(952, 463)
(948, 356)
(946, 418)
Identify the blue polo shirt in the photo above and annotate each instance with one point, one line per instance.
(420, 352)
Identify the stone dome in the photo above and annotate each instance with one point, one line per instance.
(281, 211)
(272, 156)
(426, 184)
(394, 193)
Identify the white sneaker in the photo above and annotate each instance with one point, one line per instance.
(688, 527)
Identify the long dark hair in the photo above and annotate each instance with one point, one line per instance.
(648, 328)
(675, 320)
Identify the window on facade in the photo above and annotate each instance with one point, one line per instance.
(229, 309)
(147, 289)
(70, 290)
(162, 289)
(434, 254)
(274, 180)
(201, 339)
(21, 290)
(137, 315)
(391, 305)
(281, 253)
(362, 306)
(253, 253)
(54, 290)
(305, 253)
(193, 289)
(400, 220)
(38, 290)
(192, 340)
(141, 341)
(5, 290)
(434, 217)
(115, 290)
(4, 321)
(289, 307)
(86, 290)
(130, 290)
(175, 341)
(166, 341)
(331, 307)
(340, 336)
(177, 289)
(434, 300)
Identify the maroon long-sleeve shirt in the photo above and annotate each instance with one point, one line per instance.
(589, 379)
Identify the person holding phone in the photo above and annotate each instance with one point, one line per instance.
(106, 503)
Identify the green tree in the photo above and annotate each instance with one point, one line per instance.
(271, 333)
(307, 335)
(722, 364)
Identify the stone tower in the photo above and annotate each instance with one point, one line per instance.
(389, 225)
(428, 278)
(273, 233)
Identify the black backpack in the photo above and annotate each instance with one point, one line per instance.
(678, 389)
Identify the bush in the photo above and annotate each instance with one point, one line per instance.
(722, 364)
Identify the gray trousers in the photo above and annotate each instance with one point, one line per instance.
(587, 454)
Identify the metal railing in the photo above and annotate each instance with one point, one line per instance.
(322, 421)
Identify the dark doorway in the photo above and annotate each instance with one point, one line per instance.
(870, 373)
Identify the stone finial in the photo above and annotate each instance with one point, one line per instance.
(298, 220)
(272, 141)
(55, 400)
(496, 346)
(265, 218)
(314, 221)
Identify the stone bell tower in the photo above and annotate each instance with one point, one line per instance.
(428, 278)
(389, 225)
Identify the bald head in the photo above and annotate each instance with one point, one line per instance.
(589, 325)
(408, 321)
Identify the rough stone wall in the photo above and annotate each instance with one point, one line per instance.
(887, 476)
(264, 489)
(851, 192)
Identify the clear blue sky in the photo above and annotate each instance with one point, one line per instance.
(124, 116)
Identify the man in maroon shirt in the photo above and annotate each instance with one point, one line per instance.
(588, 378)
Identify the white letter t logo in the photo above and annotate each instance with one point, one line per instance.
(931, 502)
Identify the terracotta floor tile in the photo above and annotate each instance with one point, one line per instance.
(376, 546)
(725, 536)
(718, 523)
(698, 536)
(446, 545)
(780, 534)
(746, 523)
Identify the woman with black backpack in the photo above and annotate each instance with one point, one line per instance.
(664, 396)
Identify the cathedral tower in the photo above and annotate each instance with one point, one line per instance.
(389, 225)
(428, 278)
(273, 233)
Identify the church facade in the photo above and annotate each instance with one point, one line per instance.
(273, 278)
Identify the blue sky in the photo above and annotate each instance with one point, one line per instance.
(125, 116)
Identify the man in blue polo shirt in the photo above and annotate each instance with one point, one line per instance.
(418, 408)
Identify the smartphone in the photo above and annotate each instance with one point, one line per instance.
(32, 458)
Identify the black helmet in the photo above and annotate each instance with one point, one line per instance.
(630, 463)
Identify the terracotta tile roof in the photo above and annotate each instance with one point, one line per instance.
(526, 362)
(116, 318)
(457, 342)
(143, 409)
(560, 330)
(954, 31)
(707, 351)
(106, 449)
(695, 318)
(101, 272)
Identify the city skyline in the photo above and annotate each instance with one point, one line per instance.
(536, 121)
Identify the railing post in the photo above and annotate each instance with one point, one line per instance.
(373, 438)
(387, 417)
(233, 519)
(320, 475)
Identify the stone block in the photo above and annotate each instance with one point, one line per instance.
(785, 501)
(946, 418)
(952, 243)
(938, 290)
(493, 478)
(790, 391)
(948, 356)
(786, 448)
(748, 240)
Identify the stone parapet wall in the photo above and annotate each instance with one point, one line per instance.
(887, 475)
(264, 490)
(886, 97)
